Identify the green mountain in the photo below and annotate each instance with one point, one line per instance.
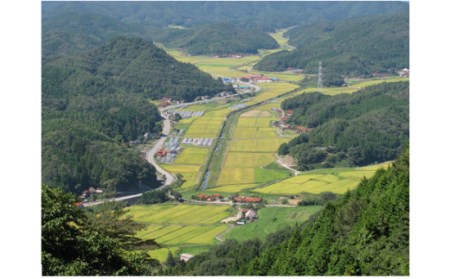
(217, 39)
(132, 65)
(94, 103)
(74, 27)
(267, 16)
(357, 46)
(365, 232)
(72, 32)
(368, 126)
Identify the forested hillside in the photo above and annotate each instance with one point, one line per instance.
(358, 46)
(217, 39)
(366, 232)
(368, 126)
(96, 102)
(73, 32)
(131, 65)
(267, 16)
(73, 27)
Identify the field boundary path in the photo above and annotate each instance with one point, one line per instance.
(219, 237)
(280, 162)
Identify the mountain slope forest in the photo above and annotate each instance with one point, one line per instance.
(357, 46)
(73, 27)
(73, 32)
(365, 232)
(368, 126)
(93, 103)
(217, 39)
(267, 16)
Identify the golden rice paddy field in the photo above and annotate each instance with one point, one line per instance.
(179, 227)
(190, 173)
(252, 146)
(353, 87)
(272, 90)
(192, 156)
(337, 180)
(216, 66)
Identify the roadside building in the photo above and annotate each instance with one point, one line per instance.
(243, 199)
(250, 214)
(185, 257)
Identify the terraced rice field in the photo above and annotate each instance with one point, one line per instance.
(234, 188)
(337, 180)
(236, 175)
(252, 146)
(217, 67)
(190, 173)
(179, 226)
(272, 90)
(192, 156)
(250, 160)
(161, 254)
(257, 145)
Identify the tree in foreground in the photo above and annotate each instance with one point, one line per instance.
(73, 245)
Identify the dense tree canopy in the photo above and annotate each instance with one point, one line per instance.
(357, 46)
(365, 232)
(75, 32)
(368, 126)
(129, 65)
(217, 39)
(268, 16)
(74, 243)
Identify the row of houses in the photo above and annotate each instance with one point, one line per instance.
(243, 199)
(284, 118)
(256, 79)
(213, 197)
(164, 102)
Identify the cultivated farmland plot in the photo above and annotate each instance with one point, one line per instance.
(329, 180)
(178, 226)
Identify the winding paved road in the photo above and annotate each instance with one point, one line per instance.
(150, 156)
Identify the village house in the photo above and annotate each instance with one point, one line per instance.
(243, 199)
(90, 191)
(256, 78)
(294, 70)
(250, 215)
(227, 80)
(404, 72)
(165, 102)
(213, 197)
(303, 129)
(161, 153)
(185, 257)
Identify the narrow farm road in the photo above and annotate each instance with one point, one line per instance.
(280, 162)
(219, 237)
(150, 156)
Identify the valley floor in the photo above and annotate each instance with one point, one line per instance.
(240, 159)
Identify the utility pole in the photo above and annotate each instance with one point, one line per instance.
(319, 78)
